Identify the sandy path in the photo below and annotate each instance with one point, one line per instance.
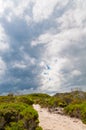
(50, 121)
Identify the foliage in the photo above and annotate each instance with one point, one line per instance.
(40, 98)
(39, 128)
(74, 103)
(17, 113)
(25, 99)
(77, 110)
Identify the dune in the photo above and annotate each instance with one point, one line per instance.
(51, 121)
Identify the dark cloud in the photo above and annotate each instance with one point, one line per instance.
(26, 64)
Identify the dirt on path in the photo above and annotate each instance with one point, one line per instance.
(51, 121)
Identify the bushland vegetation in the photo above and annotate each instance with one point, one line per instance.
(17, 113)
(73, 103)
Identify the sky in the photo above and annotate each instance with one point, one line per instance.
(42, 46)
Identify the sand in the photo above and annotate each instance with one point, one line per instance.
(51, 121)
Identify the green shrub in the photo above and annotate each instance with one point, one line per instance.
(7, 99)
(15, 126)
(39, 128)
(12, 113)
(77, 110)
(25, 99)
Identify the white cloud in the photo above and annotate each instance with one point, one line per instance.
(2, 68)
(55, 43)
(29, 60)
(28, 19)
(21, 8)
(72, 32)
(43, 9)
(1, 8)
(51, 78)
(4, 45)
(8, 4)
(42, 39)
(76, 73)
(75, 16)
(20, 65)
(15, 9)
(25, 63)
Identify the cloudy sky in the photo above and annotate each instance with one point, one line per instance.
(42, 45)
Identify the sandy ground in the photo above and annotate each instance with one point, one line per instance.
(51, 121)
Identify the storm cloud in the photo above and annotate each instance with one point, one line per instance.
(42, 46)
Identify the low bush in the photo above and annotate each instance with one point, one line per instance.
(77, 110)
(39, 128)
(18, 116)
(25, 99)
